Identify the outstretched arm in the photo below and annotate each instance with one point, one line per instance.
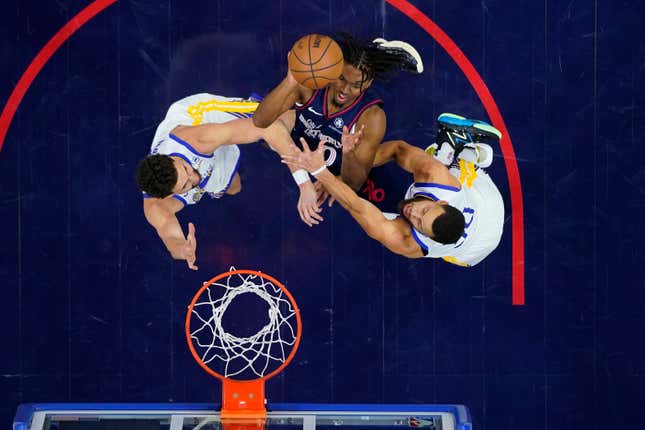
(416, 161)
(206, 138)
(161, 214)
(279, 100)
(279, 139)
(387, 232)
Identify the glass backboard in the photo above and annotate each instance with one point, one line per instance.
(284, 416)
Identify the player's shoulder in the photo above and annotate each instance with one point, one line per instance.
(168, 204)
(429, 170)
(373, 115)
(304, 94)
(400, 239)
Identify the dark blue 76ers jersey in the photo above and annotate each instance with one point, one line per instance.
(314, 123)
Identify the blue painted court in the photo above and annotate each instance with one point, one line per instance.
(546, 333)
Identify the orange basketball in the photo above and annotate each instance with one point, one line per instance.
(315, 61)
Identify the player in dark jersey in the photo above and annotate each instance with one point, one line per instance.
(343, 112)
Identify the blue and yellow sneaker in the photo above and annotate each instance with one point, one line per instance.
(456, 133)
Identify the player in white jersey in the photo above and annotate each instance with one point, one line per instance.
(453, 212)
(194, 153)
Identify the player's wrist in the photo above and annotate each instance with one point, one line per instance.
(301, 176)
(319, 170)
(290, 80)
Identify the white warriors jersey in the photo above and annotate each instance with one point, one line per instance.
(216, 169)
(483, 207)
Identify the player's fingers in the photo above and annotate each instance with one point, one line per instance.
(321, 198)
(315, 215)
(345, 130)
(331, 201)
(191, 229)
(289, 157)
(302, 210)
(292, 163)
(320, 150)
(191, 262)
(304, 217)
(305, 145)
(311, 215)
(294, 148)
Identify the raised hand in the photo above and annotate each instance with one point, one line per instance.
(308, 207)
(322, 194)
(351, 140)
(307, 159)
(190, 247)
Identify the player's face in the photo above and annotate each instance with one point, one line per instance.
(421, 213)
(187, 177)
(344, 90)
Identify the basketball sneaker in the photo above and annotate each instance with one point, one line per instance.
(413, 62)
(460, 137)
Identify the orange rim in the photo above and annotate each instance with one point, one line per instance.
(243, 272)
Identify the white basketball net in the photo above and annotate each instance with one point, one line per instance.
(258, 353)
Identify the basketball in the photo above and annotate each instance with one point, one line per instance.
(315, 61)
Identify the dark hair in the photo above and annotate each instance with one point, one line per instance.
(449, 226)
(373, 62)
(156, 175)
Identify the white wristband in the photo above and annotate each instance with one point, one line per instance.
(300, 176)
(319, 171)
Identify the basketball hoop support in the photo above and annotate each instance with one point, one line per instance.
(243, 399)
(243, 405)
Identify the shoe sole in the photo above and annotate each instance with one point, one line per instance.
(402, 45)
(471, 125)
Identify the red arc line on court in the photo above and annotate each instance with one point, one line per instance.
(42, 58)
(515, 185)
(406, 8)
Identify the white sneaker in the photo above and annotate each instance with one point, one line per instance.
(445, 154)
(415, 63)
(480, 154)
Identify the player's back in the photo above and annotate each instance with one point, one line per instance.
(203, 108)
(482, 206)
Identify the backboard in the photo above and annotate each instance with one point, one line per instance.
(280, 416)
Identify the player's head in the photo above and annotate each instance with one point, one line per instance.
(161, 175)
(436, 219)
(364, 62)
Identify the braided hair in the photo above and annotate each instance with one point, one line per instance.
(156, 175)
(372, 61)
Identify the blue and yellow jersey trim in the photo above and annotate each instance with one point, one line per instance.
(453, 260)
(240, 109)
